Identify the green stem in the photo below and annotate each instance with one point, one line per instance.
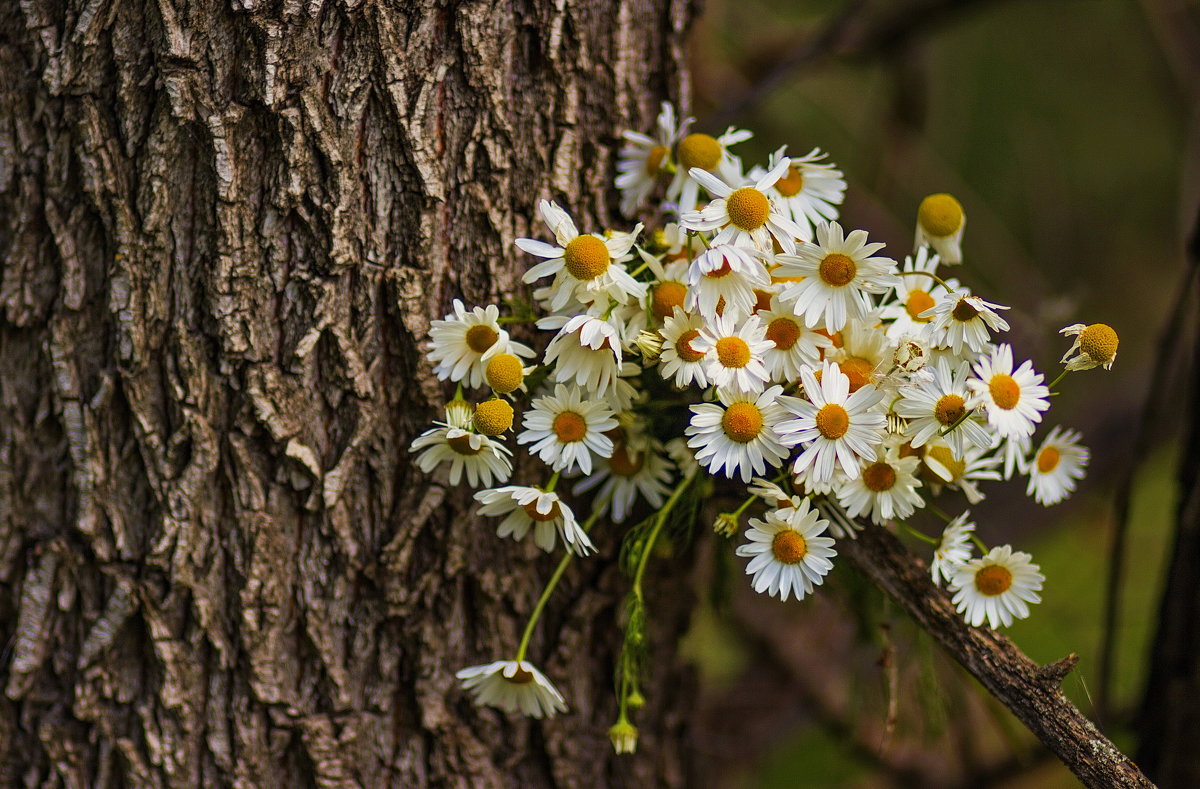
(966, 415)
(653, 536)
(934, 277)
(922, 536)
(1054, 383)
(552, 483)
(938, 512)
(979, 543)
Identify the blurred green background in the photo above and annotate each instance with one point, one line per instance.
(1066, 131)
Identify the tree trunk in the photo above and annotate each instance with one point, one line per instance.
(225, 226)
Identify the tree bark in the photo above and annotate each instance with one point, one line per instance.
(225, 227)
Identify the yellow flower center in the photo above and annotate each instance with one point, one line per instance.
(654, 159)
(722, 271)
(462, 445)
(683, 346)
(994, 579)
(833, 421)
(837, 269)
(949, 409)
(879, 477)
(963, 311)
(666, 296)
(493, 417)
(762, 300)
(742, 422)
(1047, 459)
(940, 215)
(586, 257)
(699, 150)
(1099, 342)
(519, 677)
(791, 183)
(858, 370)
(946, 458)
(1006, 392)
(623, 464)
(784, 332)
(917, 302)
(789, 547)
(480, 337)
(569, 427)
(539, 517)
(504, 373)
(748, 208)
(733, 352)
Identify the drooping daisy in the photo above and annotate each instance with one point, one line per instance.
(485, 460)
(839, 274)
(513, 687)
(1094, 346)
(564, 429)
(775, 496)
(543, 511)
(743, 216)
(997, 586)
(733, 354)
(1058, 464)
(886, 488)
(506, 372)
(954, 548)
(959, 472)
(679, 358)
(938, 403)
(643, 159)
(708, 153)
(1014, 400)
(836, 427)
(587, 352)
(739, 436)
(586, 267)
(962, 319)
(914, 294)
(464, 341)
(788, 554)
(810, 191)
(630, 472)
(726, 276)
(795, 345)
(940, 223)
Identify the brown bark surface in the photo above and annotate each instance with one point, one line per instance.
(225, 226)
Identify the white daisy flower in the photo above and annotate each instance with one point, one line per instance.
(465, 341)
(629, 473)
(743, 216)
(485, 460)
(914, 293)
(886, 488)
(996, 587)
(959, 472)
(1094, 346)
(680, 359)
(542, 510)
(809, 192)
(587, 352)
(938, 402)
(795, 345)
(962, 319)
(739, 436)
(864, 353)
(513, 686)
(788, 554)
(683, 457)
(940, 223)
(565, 429)
(586, 267)
(1053, 471)
(954, 548)
(707, 153)
(775, 496)
(840, 272)
(643, 159)
(1014, 400)
(724, 279)
(734, 354)
(837, 427)
(1015, 450)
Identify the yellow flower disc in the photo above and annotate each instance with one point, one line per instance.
(949, 409)
(858, 370)
(748, 208)
(1099, 342)
(837, 269)
(879, 477)
(462, 445)
(1047, 459)
(623, 464)
(480, 337)
(742, 422)
(789, 547)
(784, 332)
(945, 457)
(963, 311)
(683, 346)
(504, 373)
(654, 159)
(791, 183)
(519, 677)
(833, 421)
(569, 427)
(1006, 392)
(538, 517)
(493, 417)
(940, 215)
(917, 302)
(733, 352)
(666, 296)
(699, 150)
(993, 579)
(586, 257)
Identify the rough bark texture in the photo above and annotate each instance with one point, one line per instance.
(225, 227)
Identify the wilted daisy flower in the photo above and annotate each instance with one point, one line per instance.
(513, 687)
(493, 417)
(886, 488)
(743, 216)
(997, 586)
(738, 436)
(708, 153)
(962, 319)
(726, 275)
(795, 345)
(564, 429)
(465, 341)
(959, 472)
(641, 161)
(505, 373)
(954, 548)
(630, 472)
(939, 402)
(733, 354)
(837, 427)
(1014, 400)
(809, 191)
(940, 223)
(586, 267)
(586, 351)
(788, 554)
(544, 511)
(680, 359)
(484, 460)
(624, 736)
(839, 274)
(1059, 462)
(1094, 346)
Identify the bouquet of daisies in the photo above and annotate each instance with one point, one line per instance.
(748, 337)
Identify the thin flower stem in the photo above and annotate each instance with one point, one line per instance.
(979, 543)
(966, 415)
(552, 483)
(1054, 383)
(653, 536)
(504, 320)
(932, 276)
(920, 535)
(938, 512)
